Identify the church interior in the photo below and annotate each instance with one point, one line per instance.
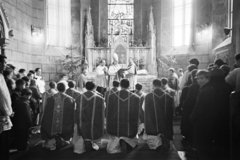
(62, 37)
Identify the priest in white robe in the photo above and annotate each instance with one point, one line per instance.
(132, 72)
(101, 80)
(113, 71)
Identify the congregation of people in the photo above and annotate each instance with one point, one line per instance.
(82, 113)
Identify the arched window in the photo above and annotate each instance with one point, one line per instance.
(120, 18)
(58, 23)
(182, 22)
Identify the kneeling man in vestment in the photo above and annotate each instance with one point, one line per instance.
(122, 119)
(58, 119)
(89, 128)
(157, 108)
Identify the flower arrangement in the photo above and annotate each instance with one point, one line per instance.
(72, 65)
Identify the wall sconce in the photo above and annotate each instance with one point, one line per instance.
(227, 30)
(36, 31)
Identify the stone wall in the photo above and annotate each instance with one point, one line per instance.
(209, 19)
(28, 51)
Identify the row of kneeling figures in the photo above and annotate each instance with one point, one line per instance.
(128, 118)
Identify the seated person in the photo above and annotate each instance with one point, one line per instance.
(89, 128)
(58, 120)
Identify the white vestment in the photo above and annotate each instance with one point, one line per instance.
(101, 79)
(5, 106)
(113, 69)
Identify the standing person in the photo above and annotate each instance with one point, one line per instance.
(141, 95)
(234, 79)
(201, 116)
(21, 73)
(132, 72)
(30, 75)
(58, 120)
(5, 113)
(23, 119)
(185, 75)
(37, 96)
(237, 62)
(20, 85)
(40, 81)
(101, 81)
(81, 81)
(90, 120)
(14, 69)
(71, 91)
(113, 71)
(157, 106)
(221, 114)
(172, 79)
(122, 119)
(187, 126)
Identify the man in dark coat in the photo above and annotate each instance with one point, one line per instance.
(23, 119)
(187, 126)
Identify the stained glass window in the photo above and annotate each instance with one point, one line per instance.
(182, 22)
(120, 19)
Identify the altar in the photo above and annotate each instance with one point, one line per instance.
(144, 55)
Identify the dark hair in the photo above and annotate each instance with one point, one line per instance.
(157, 82)
(192, 67)
(2, 57)
(11, 66)
(138, 86)
(7, 72)
(124, 83)
(29, 74)
(33, 82)
(21, 70)
(116, 83)
(219, 62)
(226, 69)
(180, 70)
(194, 61)
(203, 72)
(26, 92)
(164, 81)
(217, 75)
(71, 84)
(26, 79)
(237, 56)
(193, 75)
(37, 69)
(20, 82)
(52, 84)
(210, 66)
(10, 82)
(90, 86)
(61, 87)
(32, 72)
